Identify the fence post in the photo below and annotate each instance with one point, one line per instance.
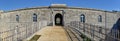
(32, 28)
(79, 26)
(26, 30)
(90, 31)
(16, 32)
(112, 36)
(93, 31)
(0, 37)
(118, 35)
(12, 32)
(83, 28)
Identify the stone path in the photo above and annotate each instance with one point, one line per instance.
(52, 33)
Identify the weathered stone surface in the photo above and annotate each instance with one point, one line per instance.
(47, 15)
(69, 14)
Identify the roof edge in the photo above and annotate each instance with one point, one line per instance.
(70, 7)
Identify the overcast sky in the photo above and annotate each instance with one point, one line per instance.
(97, 4)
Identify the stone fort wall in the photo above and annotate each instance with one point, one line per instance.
(45, 15)
(69, 14)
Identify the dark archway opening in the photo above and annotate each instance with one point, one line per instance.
(58, 19)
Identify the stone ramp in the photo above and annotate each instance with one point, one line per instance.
(51, 33)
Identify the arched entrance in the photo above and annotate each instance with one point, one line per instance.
(58, 19)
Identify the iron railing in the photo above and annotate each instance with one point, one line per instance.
(94, 32)
(19, 31)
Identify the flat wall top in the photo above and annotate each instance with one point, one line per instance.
(59, 6)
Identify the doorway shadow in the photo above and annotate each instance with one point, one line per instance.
(58, 19)
(115, 31)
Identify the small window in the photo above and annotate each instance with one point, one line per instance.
(34, 18)
(17, 18)
(82, 18)
(99, 18)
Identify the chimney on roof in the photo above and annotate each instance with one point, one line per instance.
(58, 5)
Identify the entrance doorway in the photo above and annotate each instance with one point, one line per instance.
(58, 19)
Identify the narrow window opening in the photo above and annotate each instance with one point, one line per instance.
(82, 18)
(99, 18)
(17, 18)
(34, 18)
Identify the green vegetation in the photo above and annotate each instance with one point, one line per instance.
(85, 38)
(35, 38)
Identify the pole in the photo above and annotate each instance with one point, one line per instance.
(105, 23)
(52, 17)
